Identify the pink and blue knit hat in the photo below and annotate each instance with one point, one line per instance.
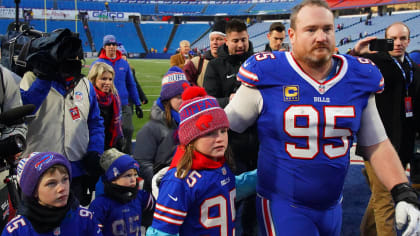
(200, 114)
(173, 83)
(30, 169)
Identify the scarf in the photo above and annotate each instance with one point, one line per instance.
(119, 193)
(115, 126)
(175, 117)
(199, 162)
(45, 219)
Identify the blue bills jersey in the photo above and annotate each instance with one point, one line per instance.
(121, 219)
(77, 222)
(203, 203)
(306, 127)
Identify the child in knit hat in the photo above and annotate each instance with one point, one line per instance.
(157, 139)
(121, 206)
(197, 194)
(48, 207)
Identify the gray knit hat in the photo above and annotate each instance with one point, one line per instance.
(116, 163)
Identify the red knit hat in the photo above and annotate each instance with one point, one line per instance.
(200, 114)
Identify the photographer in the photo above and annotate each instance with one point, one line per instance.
(10, 98)
(399, 107)
(67, 119)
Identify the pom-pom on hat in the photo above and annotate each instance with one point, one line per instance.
(219, 28)
(173, 83)
(109, 39)
(115, 163)
(30, 169)
(200, 114)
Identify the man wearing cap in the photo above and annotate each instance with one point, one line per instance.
(276, 36)
(124, 82)
(196, 68)
(183, 57)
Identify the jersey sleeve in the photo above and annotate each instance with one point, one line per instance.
(172, 205)
(249, 71)
(97, 207)
(370, 78)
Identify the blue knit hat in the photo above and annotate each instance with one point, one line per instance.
(30, 169)
(173, 83)
(115, 163)
(109, 39)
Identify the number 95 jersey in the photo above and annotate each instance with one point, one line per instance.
(306, 127)
(203, 203)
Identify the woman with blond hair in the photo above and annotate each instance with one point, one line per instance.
(102, 77)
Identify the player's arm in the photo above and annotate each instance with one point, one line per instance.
(244, 108)
(378, 150)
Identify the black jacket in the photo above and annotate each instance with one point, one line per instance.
(220, 78)
(390, 103)
(220, 81)
(268, 48)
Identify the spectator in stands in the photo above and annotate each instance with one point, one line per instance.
(220, 82)
(276, 36)
(142, 95)
(157, 139)
(102, 77)
(67, 120)
(124, 82)
(399, 107)
(183, 57)
(196, 68)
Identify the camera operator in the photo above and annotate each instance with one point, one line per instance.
(68, 118)
(10, 98)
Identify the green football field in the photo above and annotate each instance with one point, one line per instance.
(149, 73)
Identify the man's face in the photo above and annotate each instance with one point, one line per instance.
(313, 39)
(276, 39)
(111, 50)
(399, 33)
(237, 42)
(216, 40)
(185, 48)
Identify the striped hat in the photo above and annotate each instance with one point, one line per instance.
(200, 114)
(173, 83)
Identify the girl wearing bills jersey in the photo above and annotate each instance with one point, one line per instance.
(48, 207)
(197, 194)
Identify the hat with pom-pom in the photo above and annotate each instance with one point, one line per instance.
(173, 83)
(121, 48)
(200, 114)
(29, 170)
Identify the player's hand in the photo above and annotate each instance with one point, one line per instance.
(156, 181)
(406, 214)
(362, 46)
(139, 112)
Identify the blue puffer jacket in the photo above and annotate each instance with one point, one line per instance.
(124, 80)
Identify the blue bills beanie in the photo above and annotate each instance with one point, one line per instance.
(115, 163)
(30, 169)
(174, 82)
(109, 39)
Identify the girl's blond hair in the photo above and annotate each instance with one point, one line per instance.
(98, 69)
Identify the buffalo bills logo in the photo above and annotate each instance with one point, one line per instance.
(203, 122)
(44, 160)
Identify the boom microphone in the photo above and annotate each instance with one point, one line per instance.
(16, 115)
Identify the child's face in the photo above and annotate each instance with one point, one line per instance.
(213, 144)
(127, 179)
(53, 189)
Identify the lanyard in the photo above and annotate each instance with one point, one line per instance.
(407, 80)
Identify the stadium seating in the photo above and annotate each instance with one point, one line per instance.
(188, 32)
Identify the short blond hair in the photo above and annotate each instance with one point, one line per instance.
(98, 69)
